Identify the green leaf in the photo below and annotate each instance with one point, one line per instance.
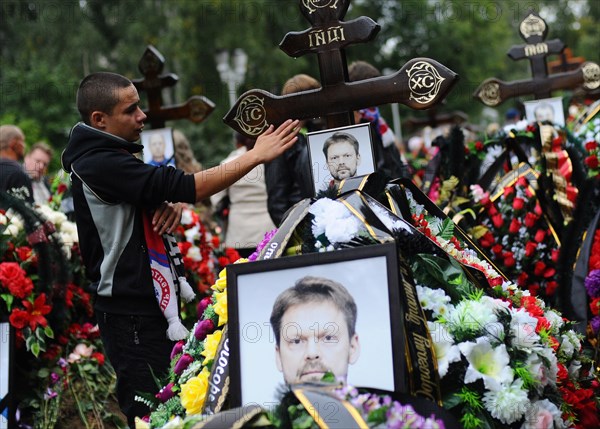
(35, 349)
(447, 229)
(448, 274)
(49, 332)
(8, 298)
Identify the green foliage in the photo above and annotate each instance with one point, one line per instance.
(38, 80)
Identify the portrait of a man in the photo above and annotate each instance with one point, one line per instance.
(314, 323)
(340, 153)
(158, 147)
(295, 319)
(548, 110)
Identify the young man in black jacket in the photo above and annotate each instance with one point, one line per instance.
(111, 191)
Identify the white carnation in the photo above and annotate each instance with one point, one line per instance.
(507, 404)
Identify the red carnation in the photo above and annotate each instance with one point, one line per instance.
(497, 249)
(99, 357)
(592, 161)
(508, 191)
(522, 279)
(539, 268)
(514, 227)
(478, 145)
(184, 246)
(591, 145)
(540, 235)
(487, 240)
(18, 318)
(518, 203)
(24, 253)
(595, 306)
(509, 259)
(498, 220)
(14, 278)
(530, 248)
(61, 188)
(551, 287)
(530, 220)
(531, 305)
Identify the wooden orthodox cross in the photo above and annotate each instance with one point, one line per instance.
(566, 62)
(419, 84)
(533, 30)
(196, 108)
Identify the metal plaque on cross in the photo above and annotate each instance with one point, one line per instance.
(420, 83)
(533, 30)
(151, 65)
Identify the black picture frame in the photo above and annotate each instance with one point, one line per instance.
(320, 175)
(369, 273)
(165, 137)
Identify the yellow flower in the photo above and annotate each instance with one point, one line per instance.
(221, 283)
(193, 392)
(221, 307)
(140, 424)
(210, 345)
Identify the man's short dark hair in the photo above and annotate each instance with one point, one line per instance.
(312, 289)
(338, 138)
(99, 91)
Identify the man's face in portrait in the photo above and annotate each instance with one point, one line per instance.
(314, 340)
(342, 160)
(157, 147)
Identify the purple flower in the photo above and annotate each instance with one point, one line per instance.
(268, 236)
(592, 283)
(50, 394)
(202, 305)
(177, 348)
(62, 363)
(54, 377)
(203, 329)
(166, 393)
(184, 361)
(595, 323)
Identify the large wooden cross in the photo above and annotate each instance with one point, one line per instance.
(419, 84)
(533, 30)
(196, 108)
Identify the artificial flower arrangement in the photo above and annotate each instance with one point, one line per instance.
(592, 286)
(504, 357)
(58, 358)
(518, 238)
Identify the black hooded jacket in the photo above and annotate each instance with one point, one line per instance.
(111, 188)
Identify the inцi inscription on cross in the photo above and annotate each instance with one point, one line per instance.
(196, 108)
(533, 30)
(419, 84)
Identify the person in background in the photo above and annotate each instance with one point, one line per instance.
(13, 177)
(121, 204)
(288, 177)
(387, 151)
(36, 165)
(247, 219)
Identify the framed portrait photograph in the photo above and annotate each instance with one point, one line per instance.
(158, 147)
(547, 109)
(339, 153)
(294, 319)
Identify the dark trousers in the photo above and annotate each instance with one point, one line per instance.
(134, 344)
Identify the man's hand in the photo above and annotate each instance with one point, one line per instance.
(167, 217)
(273, 142)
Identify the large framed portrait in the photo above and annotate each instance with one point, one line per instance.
(339, 153)
(547, 109)
(158, 147)
(294, 319)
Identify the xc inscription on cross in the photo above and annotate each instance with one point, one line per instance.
(196, 108)
(533, 30)
(419, 84)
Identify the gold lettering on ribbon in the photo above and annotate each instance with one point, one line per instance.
(423, 346)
